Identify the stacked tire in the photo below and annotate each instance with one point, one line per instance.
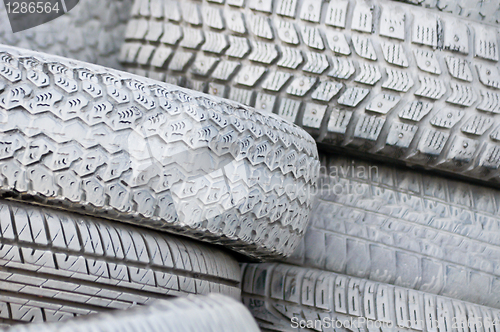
(118, 190)
(373, 82)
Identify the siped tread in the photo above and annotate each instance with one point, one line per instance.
(111, 144)
(276, 294)
(55, 265)
(384, 78)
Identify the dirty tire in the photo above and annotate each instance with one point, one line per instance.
(55, 265)
(93, 31)
(476, 10)
(119, 146)
(215, 313)
(389, 79)
(281, 296)
(407, 228)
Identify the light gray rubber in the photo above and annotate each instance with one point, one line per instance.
(477, 10)
(283, 298)
(382, 77)
(55, 265)
(93, 31)
(116, 145)
(407, 228)
(212, 313)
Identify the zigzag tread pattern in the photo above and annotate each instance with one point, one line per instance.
(152, 153)
(281, 296)
(421, 55)
(66, 264)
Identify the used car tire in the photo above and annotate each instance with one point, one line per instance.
(120, 146)
(212, 313)
(477, 10)
(55, 265)
(384, 78)
(289, 298)
(405, 227)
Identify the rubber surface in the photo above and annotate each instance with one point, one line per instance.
(477, 10)
(382, 78)
(116, 145)
(407, 228)
(54, 265)
(93, 31)
(282, 297)
(212, 313)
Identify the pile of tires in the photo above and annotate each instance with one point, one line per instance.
(135, 191)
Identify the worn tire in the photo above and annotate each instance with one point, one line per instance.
(477, 10)
(279, 296)
(55, 265)
(379, 86)
(212, 313)
(93, 31)
(407, 228)
(116, 145)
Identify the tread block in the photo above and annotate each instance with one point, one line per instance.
(313, 115)
(368, 74)
(364, 47)
(426, 30)
(401, 135)
(301, 85)
(337, 42)
(447, 118)
(369, 127)
(398, 80)
(392, 23)
(315, 63)
(289, 109)
(426, 61)
(326, 90)
(456, 36)
(291, 58)
(383, 103)
(286, 32)
(311, 10)
(459, 68)
(362, 17)
(249, 75)
(486, 43)
(415, 110)
(336, 13)
(461, 95)
(338, 121)
(276, 80)
(432, 142)
(312, 37)
(260, 26)
(352, 96)
(430, 87)
(395, 54)
(342, 68)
